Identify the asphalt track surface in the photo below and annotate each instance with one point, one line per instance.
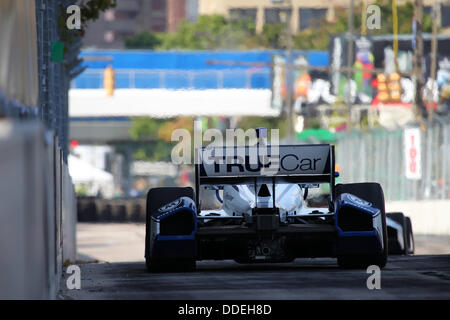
(404, 277)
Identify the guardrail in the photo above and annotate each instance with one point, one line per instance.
(249, 78)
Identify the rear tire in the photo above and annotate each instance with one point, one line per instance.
(409, 236)
(371, 192)
(398, 217)
(156, 198)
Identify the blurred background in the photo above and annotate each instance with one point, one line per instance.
(310, 69)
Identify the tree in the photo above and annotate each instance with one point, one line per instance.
(246, 123)
(318, 36)
(90, 11)
(272, 36)
(405, 14)
(143, 40)
(153, 136)
(209, 32)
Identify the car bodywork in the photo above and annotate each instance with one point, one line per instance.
(264, 215)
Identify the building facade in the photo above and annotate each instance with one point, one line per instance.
(130, 17)
(302, 13)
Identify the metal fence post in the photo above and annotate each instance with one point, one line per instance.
(132, 76)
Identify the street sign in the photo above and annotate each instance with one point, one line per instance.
(412, 151)
(57, 51)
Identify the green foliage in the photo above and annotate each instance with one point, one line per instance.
(208, 32)
(152, 137)
(90, 11)
(145, 132)
(246, 123)
(272, 35)
(157, 150)
(318, 36)
(145, 128)
(81, 190)
(405, 14)
(312, 123)
(143, 40)
(217, 32)
(317, 39)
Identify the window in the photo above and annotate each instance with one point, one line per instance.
(445, 16)
(123, 34)
(311, 17)
(428, 10)
(158, 24)
(110, 15)
(109, 36)
(276, 15)
(125, 15)
(243, 14)
(158, 4)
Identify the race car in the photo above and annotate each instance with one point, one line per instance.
(264, 215)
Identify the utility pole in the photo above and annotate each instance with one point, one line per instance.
(419, 108)
(395, 31)
(290, 79)
(364, 18)
(288, 66)
(434, 44)
(349, 64)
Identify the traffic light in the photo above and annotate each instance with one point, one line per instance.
(109, 81)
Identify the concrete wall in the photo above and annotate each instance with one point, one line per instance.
(69, 216)
(428, 217)
(37, 212)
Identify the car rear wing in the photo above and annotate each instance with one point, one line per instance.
(298, 164)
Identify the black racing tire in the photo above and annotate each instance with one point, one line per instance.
(371, 192)
(156, 198)
(394, 248)
(409, 236)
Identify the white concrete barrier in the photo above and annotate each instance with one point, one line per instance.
(69, 215)
(36, 211)
(427, 216)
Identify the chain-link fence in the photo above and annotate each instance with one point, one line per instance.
(55, 76)
(53, 84)
(382, 156)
